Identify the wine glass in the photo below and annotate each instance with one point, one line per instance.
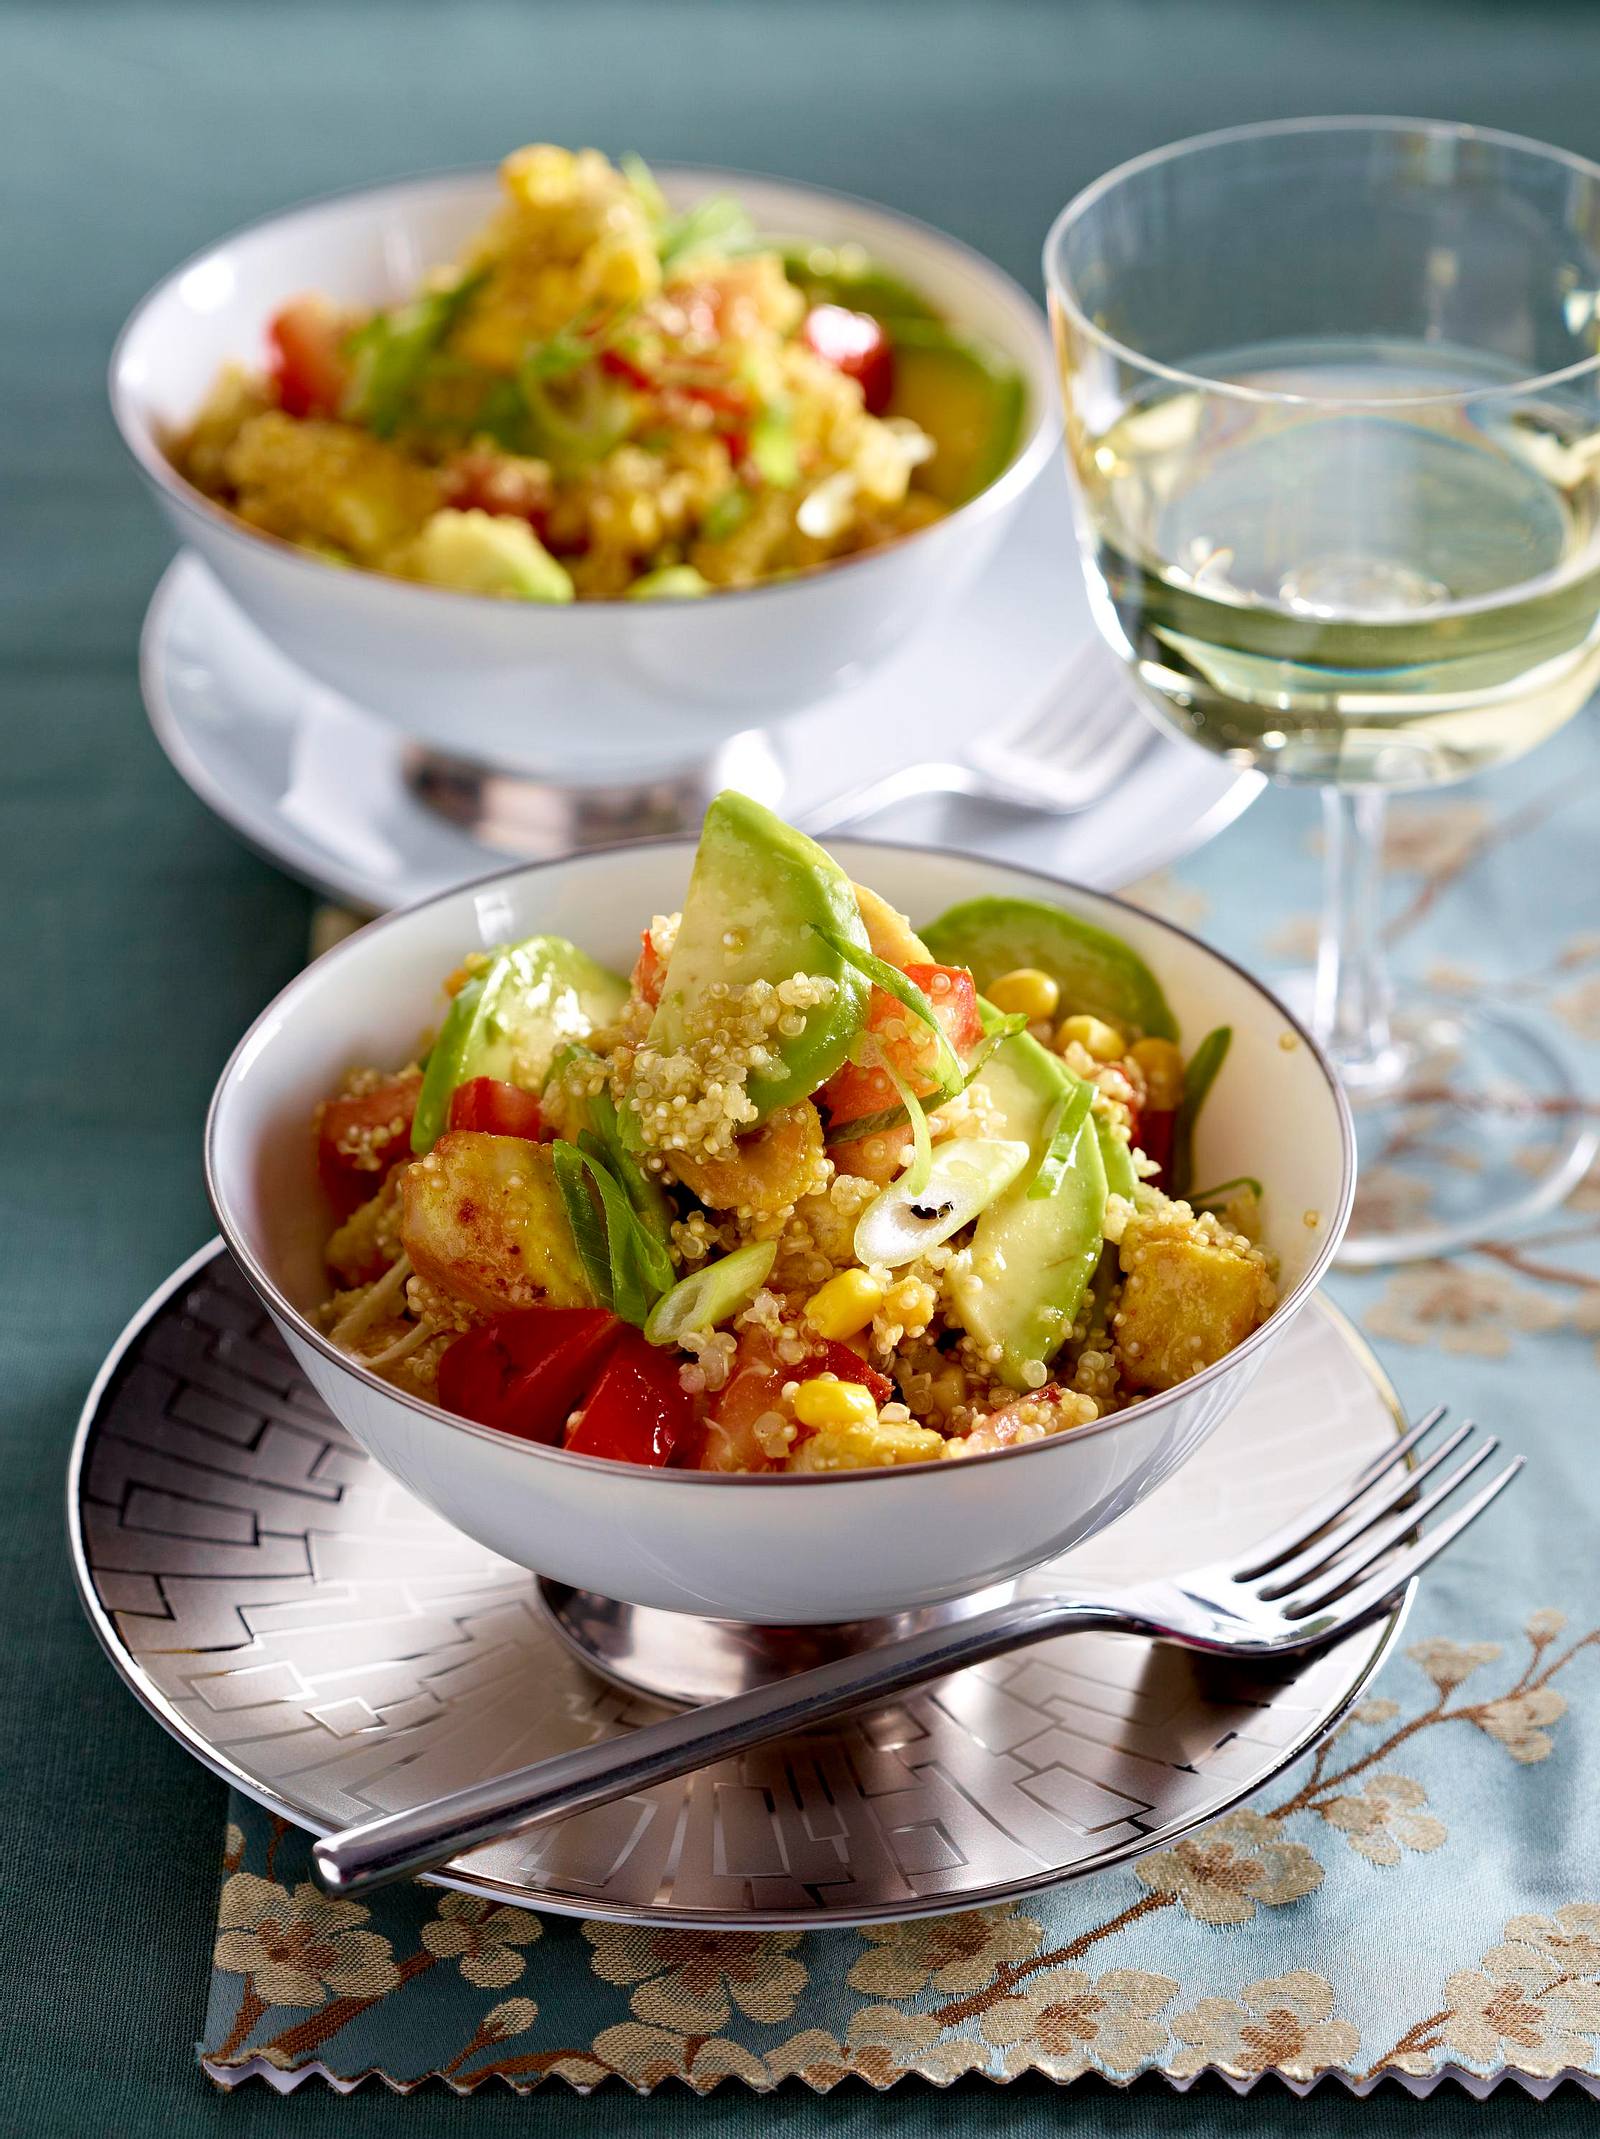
(1332, 394)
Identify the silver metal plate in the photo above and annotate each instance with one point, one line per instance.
(325, 1643)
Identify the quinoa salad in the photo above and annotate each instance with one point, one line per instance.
(605, 398)
(809, 1191)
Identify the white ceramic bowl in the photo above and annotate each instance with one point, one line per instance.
(768, 1549)
(594, 691)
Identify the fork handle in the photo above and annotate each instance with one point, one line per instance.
(927, 777)
(402, 1843)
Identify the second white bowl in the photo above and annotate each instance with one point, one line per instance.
(596, 691)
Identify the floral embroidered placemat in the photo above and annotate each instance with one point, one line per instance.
(1420, 1899)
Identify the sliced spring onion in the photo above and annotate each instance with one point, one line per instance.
(583, 1220)
(915, 1177)
(905, 992)
(773, 450)
(1199, 1075)
(709, 1296)
(964, 1178)
(1198, 1198)
(726, 515)
(392, 352)
(719, 224)
(996, 1029)
(1071, 1114)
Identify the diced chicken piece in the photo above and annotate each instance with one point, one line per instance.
(1192, 1291)
(482, 1219)
(766, 1171)
(328, 484)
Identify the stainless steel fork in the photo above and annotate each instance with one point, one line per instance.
(1081, 737)
(1341, 1564)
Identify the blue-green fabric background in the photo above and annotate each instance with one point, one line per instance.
(138, 938)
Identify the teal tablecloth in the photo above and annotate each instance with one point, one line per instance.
(139, 938)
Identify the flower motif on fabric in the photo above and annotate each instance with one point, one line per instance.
(1066, 2022)
(692, 1980)
(645, 2056)
(1451, 1663)
(1383, 1817)
(1517, 1721)
(482, 1938)
(1460, 1309)
(1223, 1874)
(946, 1953)
(1281, 2024)
(300, 1948)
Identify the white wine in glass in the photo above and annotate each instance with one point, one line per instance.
(1332, 395)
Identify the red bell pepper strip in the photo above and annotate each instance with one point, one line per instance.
(527, 1372)
(638, 1410)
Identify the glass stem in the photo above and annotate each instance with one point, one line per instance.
(1353, 1000)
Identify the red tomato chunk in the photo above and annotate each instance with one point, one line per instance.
(496, 1109)
(854, 343)
(306, 359)
(638, 1410)
(360, 1138)
(526, 1373)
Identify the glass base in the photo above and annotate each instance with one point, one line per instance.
(1477, 1126)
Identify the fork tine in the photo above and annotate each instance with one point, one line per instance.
(1294, 1536)
(1380, 1590)
(1385, 1537)
(1322, 1549)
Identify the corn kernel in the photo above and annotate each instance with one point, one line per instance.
(847, 1303)
(1163, 1074)
(1094, 1035)
(1034, 993)
(825, 1401)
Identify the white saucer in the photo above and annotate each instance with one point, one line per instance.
(318, 785)
(334, 1650)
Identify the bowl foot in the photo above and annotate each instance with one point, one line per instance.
(685, 1661)
(538, 819)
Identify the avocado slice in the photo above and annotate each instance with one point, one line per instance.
(1033, 1254)
(510, 1021)
(847, 275)
(1117, 1159)
(485, 553)
(759, 894)
(966, 397)
(1096, 971)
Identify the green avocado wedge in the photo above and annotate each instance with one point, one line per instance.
(757, 899)
(967, 398)
(1033, 1255)
(848, 276)
(1095, 970)
(511, 1020)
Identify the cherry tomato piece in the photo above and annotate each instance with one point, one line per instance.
(527, 1372)
(854, 343)
(860, 1089)
(306, 360)
(618, 366)
(360, 1138)
(638, 1409)
(496, 1108)
(1155, 1139)
(649, 970)
(832, 1357)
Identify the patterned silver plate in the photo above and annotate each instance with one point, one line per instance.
(326, 1644)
